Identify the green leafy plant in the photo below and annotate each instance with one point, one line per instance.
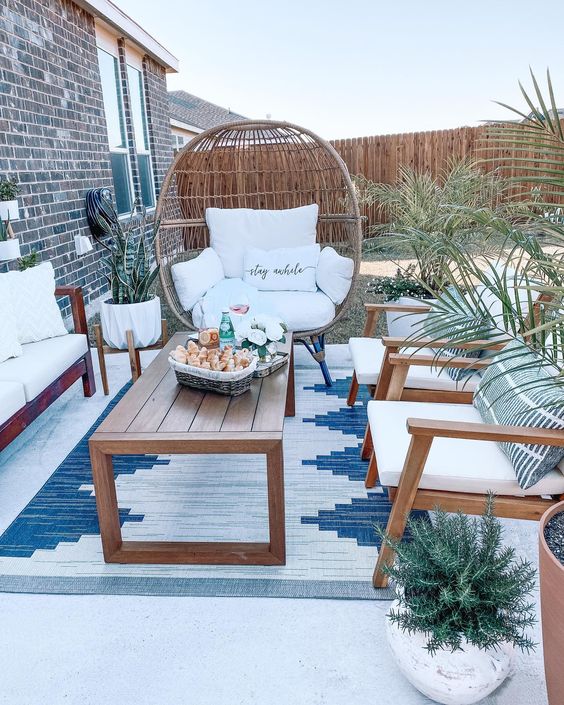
(422, 212)
(4, 231)
(404, 283)
(9, 189)
(131, 275)
(28, 261)
(457, 581)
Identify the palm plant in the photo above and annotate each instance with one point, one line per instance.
(421, 212)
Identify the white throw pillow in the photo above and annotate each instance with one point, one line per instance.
(284, 269)
(234, 230)
(196, 276)
(9, 345)
(35, 307)
(334, 274)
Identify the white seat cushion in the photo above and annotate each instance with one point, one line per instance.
(42, 362)
(300, 310)
(453, 464)
(12, 399)
(367, 355)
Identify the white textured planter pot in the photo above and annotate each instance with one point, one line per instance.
(143, 319)
(458, 678)
(9, 249)
(10, 210)
(402, 325)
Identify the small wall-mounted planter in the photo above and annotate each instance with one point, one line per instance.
(143, 319)
(9, 249)
(10, 210)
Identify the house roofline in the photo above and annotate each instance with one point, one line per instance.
(185, 125)
(116, 18)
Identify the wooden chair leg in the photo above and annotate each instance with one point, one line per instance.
(405, 496)
(101, 357)
(353, 391)
(372, 474)
(134, 359)
(164, 332)
(88, 379)
(367, 444)
(397, 382)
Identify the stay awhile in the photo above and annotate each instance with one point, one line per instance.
(288, 271)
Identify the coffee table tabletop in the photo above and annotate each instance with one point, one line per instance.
(157, 415)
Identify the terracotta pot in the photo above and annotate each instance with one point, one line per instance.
(551, 573)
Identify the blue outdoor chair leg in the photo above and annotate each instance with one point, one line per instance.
(316, 349)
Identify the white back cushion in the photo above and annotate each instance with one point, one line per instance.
(283, 269)
(192, 279)
(234, 230)
(334, 274)
(9, 344)
(33, 296)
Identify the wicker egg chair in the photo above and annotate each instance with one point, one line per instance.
(261, 165)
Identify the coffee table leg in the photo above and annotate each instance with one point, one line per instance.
(276, 516)
(106, 501)
(290, 409)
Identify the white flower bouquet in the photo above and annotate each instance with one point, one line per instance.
(261, 334)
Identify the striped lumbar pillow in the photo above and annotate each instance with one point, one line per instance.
(517, 390)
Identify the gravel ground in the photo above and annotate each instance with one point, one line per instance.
(554, 536)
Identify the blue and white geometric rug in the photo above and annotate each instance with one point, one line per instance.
(53, 545)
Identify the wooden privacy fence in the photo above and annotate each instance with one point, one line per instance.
(379, 157)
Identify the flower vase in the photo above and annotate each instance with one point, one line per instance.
(271, 350)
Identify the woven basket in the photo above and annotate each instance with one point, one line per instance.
(229, 383)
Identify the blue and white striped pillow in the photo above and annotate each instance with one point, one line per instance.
(517, 390)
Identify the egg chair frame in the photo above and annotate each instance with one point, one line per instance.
(261, 165)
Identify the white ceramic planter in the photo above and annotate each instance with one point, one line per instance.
(9, 249)
(9, 210)
(458, 678)
(143, 319)
(402, 325)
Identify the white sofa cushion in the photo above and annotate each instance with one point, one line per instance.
(334, 274)
(42, 362)
(193, 278)
(9, 344)
(453, 464)
(300, 310)
(282, 269)
(367, 355)
(35, 306)
(233, 230)
(12, 399)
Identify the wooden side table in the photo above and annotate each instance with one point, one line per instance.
(134, 359)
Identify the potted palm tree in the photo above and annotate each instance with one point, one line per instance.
(462, 606)
(133, 304)
(9, 207)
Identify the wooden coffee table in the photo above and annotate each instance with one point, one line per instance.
(159, 416)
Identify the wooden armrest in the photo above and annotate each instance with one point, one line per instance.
(485, 432)
(77, 306)
(430, 343)
(437, 361)
(397, 308)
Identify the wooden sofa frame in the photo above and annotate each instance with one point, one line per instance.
(81, 368)
(407, 496)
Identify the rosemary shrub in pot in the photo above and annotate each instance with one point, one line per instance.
(133, 305)
(461, 608)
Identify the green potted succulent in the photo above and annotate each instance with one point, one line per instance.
(9, 207)
(462, 606)
(133, 304)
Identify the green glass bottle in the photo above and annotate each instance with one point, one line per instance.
(226, 330)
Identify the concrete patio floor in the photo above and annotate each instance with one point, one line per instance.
(202, 651)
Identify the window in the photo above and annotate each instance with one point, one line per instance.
(113, 107)
(140, 132)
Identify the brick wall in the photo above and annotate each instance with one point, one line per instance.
(53, 133)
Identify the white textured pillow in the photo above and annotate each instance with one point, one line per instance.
(334, 274)
(284, 269)
(234, 230)
(35, 307)
(192, 279)
(9, 345)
